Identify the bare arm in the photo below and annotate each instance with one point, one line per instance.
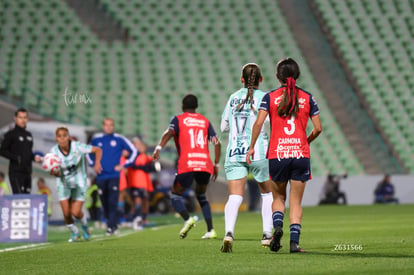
(168, 134)
(98, 156)
(257, 127)
(217, 152)
(317, 128)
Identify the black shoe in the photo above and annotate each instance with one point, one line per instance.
(275, 243)
(295, 248)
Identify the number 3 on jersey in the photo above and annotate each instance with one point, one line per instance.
(197, 138)
(291, 122)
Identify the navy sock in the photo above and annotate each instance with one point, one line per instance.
(177, 202)
(137, 210)
(120, 211)
(277, 217)
(205, 208)
(295, 232)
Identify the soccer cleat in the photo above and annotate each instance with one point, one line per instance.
(74, 237)
(110, 232)
(266, 240)
(85, 232)
(188, 224)
(210, 234)
(275, 242)
(137, 224)
(295, 248)
(227, 246)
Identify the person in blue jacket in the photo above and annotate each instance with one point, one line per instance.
(112, 145)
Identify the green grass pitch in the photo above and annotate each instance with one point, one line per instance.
(376, 239)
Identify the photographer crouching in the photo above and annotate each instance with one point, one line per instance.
(331, 192)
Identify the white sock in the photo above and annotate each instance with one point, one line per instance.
(267, 200)
(231, 211)
(72, 227)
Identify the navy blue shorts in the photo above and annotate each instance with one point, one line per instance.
(139, 192)
(283, 170)
(186, 179)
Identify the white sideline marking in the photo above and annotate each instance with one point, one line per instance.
(163, 226)
(94, 238)
(23, 247)
(103, 237)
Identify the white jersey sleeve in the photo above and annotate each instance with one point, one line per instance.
(224, 126)
(83, 148)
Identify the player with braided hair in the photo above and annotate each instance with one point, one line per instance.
(238, 118)
(289, 108)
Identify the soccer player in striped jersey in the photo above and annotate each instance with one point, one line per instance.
(238, 118)
(289, 109)
(192, 132)
(72, 179)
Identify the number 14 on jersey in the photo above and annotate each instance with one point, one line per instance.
(197, 138)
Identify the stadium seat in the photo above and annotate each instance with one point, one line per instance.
(385, 26)
(168, 58)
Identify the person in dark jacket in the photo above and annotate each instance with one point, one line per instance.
(385, 191)
(17, 146)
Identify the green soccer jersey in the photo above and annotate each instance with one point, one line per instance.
(73, 171)
(239, 123)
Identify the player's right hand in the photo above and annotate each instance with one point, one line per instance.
(156, 154)
(97, 168)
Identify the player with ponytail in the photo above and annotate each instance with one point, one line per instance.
(238, 118)
(251, 76)
(287, 73)
(289, 108)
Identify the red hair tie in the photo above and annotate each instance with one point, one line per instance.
(291, 88)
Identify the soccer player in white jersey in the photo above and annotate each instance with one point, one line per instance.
(238, 118)
(71, 179)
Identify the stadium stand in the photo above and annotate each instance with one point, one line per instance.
(175, 48)
(340, 94)
(375, 40)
